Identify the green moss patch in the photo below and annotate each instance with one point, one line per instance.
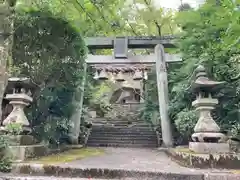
(184, 150)
(235, 171)
(68, 156)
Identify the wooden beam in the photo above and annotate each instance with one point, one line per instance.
(133, 42)
(134, 59)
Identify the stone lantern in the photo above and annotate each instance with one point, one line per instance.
(22, 144)
(19, 92)
(207, 137)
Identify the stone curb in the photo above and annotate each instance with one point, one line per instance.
(222, 176)
(204, 161)
(101, 173)
(58, 171)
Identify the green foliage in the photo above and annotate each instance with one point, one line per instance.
(185, 122)
(5, 160)
(49, 50)
(209, 38)
(14, 128)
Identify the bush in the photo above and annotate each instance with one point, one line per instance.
(5, 159)
(185, 122)
(51, 51)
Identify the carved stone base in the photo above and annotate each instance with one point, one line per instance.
(187, 158)
(204, 136)
(21, 153)
(20, 140)
(209, 148)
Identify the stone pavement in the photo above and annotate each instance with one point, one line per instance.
(152, 160)
(11, 177)
(124, 164)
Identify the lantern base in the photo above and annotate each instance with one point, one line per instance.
(22, 153)
(209, 148)
(20, 140)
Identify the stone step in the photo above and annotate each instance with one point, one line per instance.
(120, 135)
(127, 145)
(124, 122)
(126, 133)
(122, 141)
(108, 126)
(95, 141)
(121, 138)
(124, 126)
(120, 122)
(121, 129)
(115, 136)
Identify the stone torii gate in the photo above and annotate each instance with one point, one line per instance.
(120, 45)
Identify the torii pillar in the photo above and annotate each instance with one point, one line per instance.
(162, 84)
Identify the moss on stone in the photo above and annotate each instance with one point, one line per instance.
(235, 171)
(184, 150)
(68, 156)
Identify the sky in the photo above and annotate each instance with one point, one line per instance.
(175, 3)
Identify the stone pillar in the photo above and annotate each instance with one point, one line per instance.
(162, 84)
(75, 120)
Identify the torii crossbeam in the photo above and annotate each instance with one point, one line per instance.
(121, 46)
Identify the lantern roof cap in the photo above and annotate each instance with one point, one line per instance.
(23, 82)
(202, 81)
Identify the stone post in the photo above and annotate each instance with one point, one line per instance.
(75, 120)
(162, 84)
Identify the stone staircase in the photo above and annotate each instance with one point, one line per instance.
(121, 133)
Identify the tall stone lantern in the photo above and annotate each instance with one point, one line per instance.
(207, 137)
(22, 145)
(19, 92)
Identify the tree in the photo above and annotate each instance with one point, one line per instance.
(51, 52)
(210, 37)
(184, 7)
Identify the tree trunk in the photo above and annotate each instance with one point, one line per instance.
(6, 39)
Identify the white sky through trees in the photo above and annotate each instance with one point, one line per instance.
(174, 4)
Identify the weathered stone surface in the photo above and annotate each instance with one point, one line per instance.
(20, 140)
(203, 148)
(221, 177)
(51, 170)
(9, 177)
(195, 160)
(203, 136)
(19, 102)
(19, 177)
(21, 153)
(125, 164)
(206, 132)
(205, 122)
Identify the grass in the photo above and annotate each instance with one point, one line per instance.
(68, 156)
(184, 150)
